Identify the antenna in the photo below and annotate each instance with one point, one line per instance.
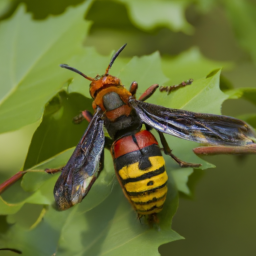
(77, 71)
(113, 59)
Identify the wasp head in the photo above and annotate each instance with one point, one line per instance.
(100, 82)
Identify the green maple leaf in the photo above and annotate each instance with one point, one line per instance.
(28, 49)
(190, 64)
(151, 14)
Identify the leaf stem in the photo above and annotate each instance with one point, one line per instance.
(18, 175)
(11, 181)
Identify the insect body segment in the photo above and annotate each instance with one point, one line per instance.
(140, 168)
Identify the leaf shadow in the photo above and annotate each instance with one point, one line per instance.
(57, 132)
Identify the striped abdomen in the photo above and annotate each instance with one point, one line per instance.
(141, 172)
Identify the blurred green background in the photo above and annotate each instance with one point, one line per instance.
(220, 218)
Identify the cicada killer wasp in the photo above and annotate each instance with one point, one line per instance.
(138, 161)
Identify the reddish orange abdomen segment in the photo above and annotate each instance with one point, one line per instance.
(126, 145)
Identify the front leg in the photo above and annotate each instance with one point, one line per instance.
(84, 115)
(133, 88)
(149, 92)
(168, 151)
(168, 89)
(52, 171)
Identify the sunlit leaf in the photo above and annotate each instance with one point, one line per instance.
(30, 56)
(150, 14)
(57, 131)
(181, 179)
(190, 64)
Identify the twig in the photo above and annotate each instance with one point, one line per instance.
(215, 150)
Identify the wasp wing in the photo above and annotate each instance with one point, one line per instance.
(203, 128)
(83, 167)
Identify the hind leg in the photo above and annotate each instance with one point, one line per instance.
(168, 151)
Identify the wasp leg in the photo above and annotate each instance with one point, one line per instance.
(149, 92)
(102, 157)
(108, 143)
(153, 219)
(168, 151)
(139, 217)
(52, 171)
(133, 88)
(168, 89)
(148, 128)
(85, 115)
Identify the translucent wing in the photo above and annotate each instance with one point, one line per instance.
(83, 167)
(203, 128)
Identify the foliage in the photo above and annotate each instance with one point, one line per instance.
(37, 90)
(243, 25)
(31, 51)
(150, 14)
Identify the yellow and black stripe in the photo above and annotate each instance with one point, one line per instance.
(142, 174)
